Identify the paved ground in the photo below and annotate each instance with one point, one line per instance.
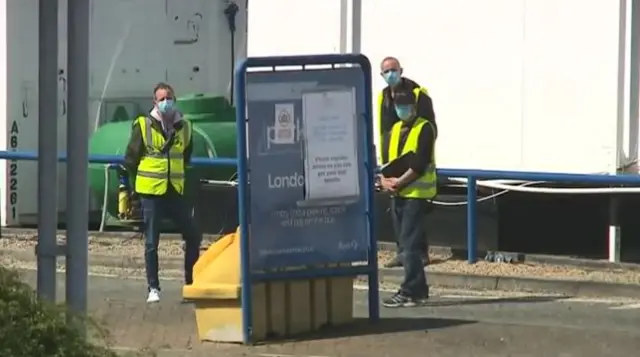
(457, 324)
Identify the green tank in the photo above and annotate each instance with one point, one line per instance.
(214, 135)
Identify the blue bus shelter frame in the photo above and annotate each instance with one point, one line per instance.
(247, 276)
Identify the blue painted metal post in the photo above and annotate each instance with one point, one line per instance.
(243, 197)
(47, 147)
(374, 295)
(472, 199)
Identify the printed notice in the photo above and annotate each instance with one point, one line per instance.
(284, 128)
(331, 160)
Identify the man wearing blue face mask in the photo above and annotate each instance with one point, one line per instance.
(391, 71)
(410, 194)
(158, 152)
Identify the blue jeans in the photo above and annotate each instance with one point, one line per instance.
(173, 206)
(408, 216)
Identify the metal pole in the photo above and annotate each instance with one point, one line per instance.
(46, 249)
(623, 117)
(344, 24)
(356, 26)
(374, 294)
(614, 229)
(472, 200)
(77, 155)
(634, 80)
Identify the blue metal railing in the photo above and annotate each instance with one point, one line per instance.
(472, 176)
(112, 159)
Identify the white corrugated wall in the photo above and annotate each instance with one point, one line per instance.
(134, 45)
(517, 84)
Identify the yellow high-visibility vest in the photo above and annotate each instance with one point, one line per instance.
(426, 185)
(416, 92)
(157, 168)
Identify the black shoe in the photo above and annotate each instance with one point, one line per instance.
(394, 263)
(401, 300)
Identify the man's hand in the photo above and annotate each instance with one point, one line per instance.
(389, 184)
(378, 183)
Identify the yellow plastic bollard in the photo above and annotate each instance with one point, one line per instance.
(280, 309)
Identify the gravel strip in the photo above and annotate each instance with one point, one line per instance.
(547, 271)
(134, 247)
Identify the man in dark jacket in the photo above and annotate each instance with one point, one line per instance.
(391, 71)
(158, 154)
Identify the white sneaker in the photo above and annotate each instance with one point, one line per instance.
(154, 296)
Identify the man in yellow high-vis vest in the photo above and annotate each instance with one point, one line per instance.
(159, 150)
(411, 193)
(391, 71)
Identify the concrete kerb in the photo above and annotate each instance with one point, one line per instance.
(574, 288)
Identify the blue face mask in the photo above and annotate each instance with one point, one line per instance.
(165, 106)
(404, 112)
(392, 77)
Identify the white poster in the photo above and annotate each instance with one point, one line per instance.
(331, 155)
(283, 130)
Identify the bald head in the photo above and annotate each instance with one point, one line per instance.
(390, 63)
(391, 70)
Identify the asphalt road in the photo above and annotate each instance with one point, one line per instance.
(456, 323)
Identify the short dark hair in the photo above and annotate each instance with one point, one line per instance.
(390, 58)
(162, 85)
(404, 97)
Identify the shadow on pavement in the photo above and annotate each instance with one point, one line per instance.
(362, 327)
(487, 301)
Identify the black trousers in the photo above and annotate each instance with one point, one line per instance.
(408, 216)
(424, 247)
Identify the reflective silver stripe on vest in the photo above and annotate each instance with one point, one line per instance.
(424, 185)
(156, 175)
(159, 155)
(421, 185)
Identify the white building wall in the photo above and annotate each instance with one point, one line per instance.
(517, 84)
(571, 85)
(293, 27)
